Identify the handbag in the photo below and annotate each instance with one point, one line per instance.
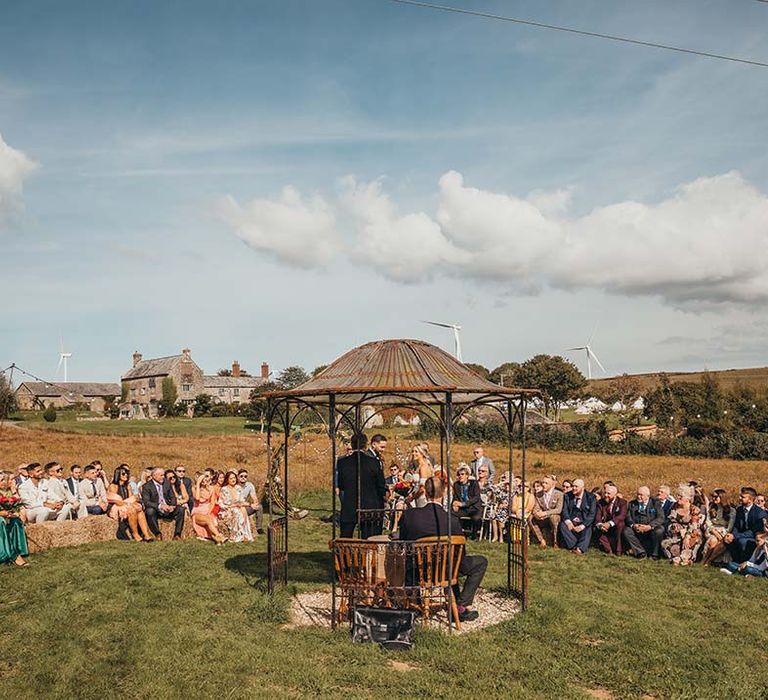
(387, 627)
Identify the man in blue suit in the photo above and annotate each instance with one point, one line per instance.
(750, 519)
(577, 518)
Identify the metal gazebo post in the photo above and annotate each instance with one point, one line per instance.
(332, 436)
(448, 427)
(524, 544)
(285, 487)
(270, 487)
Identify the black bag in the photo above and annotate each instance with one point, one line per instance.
(391, 629)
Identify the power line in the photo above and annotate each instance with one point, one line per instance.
(581, 32)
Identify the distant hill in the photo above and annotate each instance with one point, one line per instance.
(755, 377)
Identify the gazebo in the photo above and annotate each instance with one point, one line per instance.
(381, 375)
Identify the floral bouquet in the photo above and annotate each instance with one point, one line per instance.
(402, 488)
(11, 504)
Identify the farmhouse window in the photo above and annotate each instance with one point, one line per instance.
(152, 383)
(222, 391)
(236, 392)
(186, 387)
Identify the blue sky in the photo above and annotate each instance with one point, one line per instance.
(606, 188)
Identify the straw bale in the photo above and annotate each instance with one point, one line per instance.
(94, 528)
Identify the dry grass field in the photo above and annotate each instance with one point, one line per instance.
(309, 459)
(753, 377)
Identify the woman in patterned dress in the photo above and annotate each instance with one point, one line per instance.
(233, 510)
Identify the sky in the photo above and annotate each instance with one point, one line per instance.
(283, 181)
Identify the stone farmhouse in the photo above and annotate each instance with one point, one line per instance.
(142, 385)
(37, 395)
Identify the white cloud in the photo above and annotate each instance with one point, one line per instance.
(15, 166)
(405, 248)
(702, 246)
(296, 231)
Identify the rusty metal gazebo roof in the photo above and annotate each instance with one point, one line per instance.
(383, 369)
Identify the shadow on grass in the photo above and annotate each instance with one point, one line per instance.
(303, 567)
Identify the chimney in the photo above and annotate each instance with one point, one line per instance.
(136, 358)
(264, 370)
(235, 369)
(187, 353)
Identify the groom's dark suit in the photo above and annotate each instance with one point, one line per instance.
(151, 498)
(360, 469)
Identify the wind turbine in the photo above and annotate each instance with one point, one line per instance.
(590, 356)
(456, 328)
(63, 357)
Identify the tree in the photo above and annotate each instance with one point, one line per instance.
(167, 406)
(556, 378)
(291, 377)
(660, 403)
(228, 373)
(484, 372)
(257, 404)
(318, 369)
(202, 404)
(49, 414)
(7, 398)
(123, 392)
(624, 389)
(505, 374)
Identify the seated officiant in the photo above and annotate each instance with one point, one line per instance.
(432, 521)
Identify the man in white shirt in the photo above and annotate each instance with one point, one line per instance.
(481, 459)
(250, 497)
(59, 491)
(34, 495)
(92, 492)
(22, 473)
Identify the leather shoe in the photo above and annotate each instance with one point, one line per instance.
(468, 615)
(177, 537)
(159, 537)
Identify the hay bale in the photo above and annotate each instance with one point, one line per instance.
(94, 528)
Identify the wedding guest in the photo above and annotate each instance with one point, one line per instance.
(757, 564)
(567, 486)
(644, 525)
(503, 496)
(160, 502)
(664, 496)
(466, 499)
(720, 518)
(547, 510)
(146, 475)
(204, 522)
(22, 474)
(394, 476)
(610, 520)
(181, 473)
(577, 518)
(486, 500)
(73, 482)
(233, 513)
(760, 501)
(179, 490)
(33, 493)
(92, 492)
(481, 460)
(58, 492)
(750, 519)
(13, 540)
(684, 534)
(124, 505)
(251, 499)
(217, 482)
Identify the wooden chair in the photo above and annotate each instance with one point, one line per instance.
(437, 561)
(416, 575)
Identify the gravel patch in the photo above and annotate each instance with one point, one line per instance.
(314, 609)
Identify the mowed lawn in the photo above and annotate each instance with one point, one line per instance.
(188, 619)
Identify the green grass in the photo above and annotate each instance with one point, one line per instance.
(66, 422)
(187, 619)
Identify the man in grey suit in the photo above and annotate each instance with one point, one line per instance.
(479, 460)
(546, 512)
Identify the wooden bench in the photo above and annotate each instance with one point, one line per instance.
(397, 574)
